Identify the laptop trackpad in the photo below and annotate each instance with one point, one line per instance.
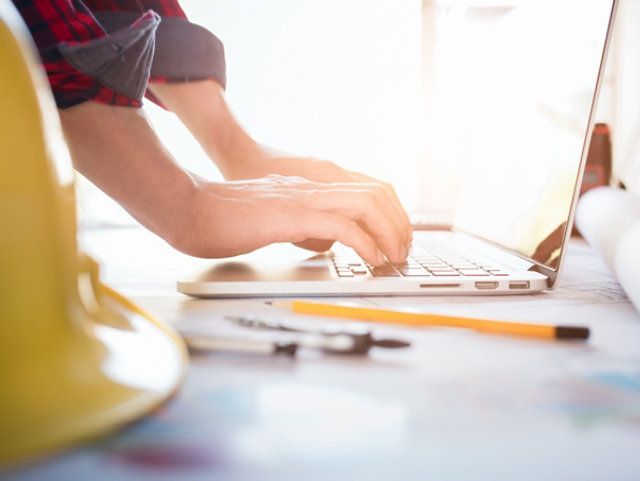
(280, 263)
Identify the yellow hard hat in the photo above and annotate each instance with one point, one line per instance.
(76, 358)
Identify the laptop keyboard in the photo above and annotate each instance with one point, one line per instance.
(439, 261)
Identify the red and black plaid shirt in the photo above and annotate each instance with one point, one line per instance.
(52, 22)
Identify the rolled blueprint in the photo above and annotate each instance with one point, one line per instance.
(609, 219)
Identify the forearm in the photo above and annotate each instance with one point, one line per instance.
(116, 148)
(203, 110)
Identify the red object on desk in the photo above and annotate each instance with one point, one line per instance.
(597, 172)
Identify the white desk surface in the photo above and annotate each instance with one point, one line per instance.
(455, 405)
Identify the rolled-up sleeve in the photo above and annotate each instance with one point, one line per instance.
(184, 51)
(108, 50)
(81, 61)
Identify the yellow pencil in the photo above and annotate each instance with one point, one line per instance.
(415, 319)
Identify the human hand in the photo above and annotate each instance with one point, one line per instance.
(231, 218)
(265, 161)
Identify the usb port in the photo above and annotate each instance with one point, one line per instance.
(486, 285)
(519, 285)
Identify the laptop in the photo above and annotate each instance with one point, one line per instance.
(539, 89)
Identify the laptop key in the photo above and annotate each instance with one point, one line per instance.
(345, 274)
(415, 272)
(359, 270)
(384, 271)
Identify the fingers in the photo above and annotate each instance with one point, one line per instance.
(329, 172)
(329, 226)
(393, 197)
(373, 203)
(368, 206)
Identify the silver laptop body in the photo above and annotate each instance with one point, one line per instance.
(519, 190)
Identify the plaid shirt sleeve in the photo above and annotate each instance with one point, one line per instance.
(55, 22)
(103, 50)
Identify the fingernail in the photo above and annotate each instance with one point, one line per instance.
(381, 258)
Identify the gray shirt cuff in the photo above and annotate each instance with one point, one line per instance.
(121, 60)
(183, 51)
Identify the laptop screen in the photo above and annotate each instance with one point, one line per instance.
(537, 78)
